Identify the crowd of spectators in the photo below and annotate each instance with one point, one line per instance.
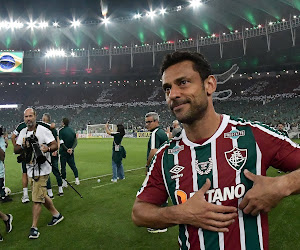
(266, 99)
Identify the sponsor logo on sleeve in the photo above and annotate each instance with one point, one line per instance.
(234, 134)
(175, 150)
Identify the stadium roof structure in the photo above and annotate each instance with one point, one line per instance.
(234, 28)
(179, 20)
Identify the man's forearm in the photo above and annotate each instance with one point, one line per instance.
(74, 144)
(291, 182)
(17, 149)
(149, 215)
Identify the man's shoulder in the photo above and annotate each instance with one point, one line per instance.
(44, 124)
(20, 126)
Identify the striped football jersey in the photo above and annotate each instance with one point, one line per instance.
(181, 167)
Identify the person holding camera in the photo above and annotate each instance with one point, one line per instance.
(14, 137)
(35, 143)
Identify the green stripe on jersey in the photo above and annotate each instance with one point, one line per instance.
(203, 158)
(250, 222)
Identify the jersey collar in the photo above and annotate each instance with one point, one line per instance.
(219, 131)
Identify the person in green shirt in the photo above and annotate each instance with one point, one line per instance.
(68, 142)
(118, 152)
(54, 160)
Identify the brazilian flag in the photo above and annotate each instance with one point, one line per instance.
(11, 62)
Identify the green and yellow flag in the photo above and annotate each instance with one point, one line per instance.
(11, 62)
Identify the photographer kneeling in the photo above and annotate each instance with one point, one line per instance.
(35, 143)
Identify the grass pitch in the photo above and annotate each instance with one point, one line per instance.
(102, 219)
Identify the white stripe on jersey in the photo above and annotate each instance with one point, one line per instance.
(176, 162)
(258, 169)
(240, 212)
(216, 184)
(153, 138)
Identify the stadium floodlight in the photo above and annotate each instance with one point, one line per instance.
(72, 53)
(105, 20)
(270, 23)
(195, 3)
(55, 24)
(163, 11)
(15, 25)
(137, 16)
(151, 14)
(3, 24)
(55, 53)
(9, 106)
(75, 23)
(283, 20)
(31, 25)
(43, 25)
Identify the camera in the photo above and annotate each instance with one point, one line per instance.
(31, 151)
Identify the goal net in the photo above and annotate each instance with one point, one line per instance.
(98, 130)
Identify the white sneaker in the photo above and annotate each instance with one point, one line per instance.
(114, 180)
(64, 184)
(77, 182)
(25, 199)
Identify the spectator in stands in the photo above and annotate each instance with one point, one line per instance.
(280, 128)
(118, 152)
(68, 142)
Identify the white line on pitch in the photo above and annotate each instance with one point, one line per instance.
(103, 185)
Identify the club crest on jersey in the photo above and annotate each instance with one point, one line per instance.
(204, 167)
(236, 158)
(176, 171)
(234, 134)
(175, 150)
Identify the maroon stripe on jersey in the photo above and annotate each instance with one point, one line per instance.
(154, 190)
(265, 230)
(226, 178)
(185, 160)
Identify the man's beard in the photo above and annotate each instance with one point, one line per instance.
(193, 114)
(30, 124)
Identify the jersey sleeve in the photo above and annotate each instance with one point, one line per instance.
(153, 189)
(20, 138)
(48, 136)
(278, 150)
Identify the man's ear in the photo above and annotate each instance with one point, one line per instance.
(210, 84)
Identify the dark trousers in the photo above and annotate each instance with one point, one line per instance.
(55, 171)
(64, 159)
